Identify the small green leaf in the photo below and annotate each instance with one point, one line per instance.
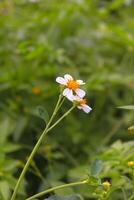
(96, 167)
(94, 181)
(129, 107)
(4, 189)
(42, 113)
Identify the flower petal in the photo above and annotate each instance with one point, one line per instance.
(68, 93)
(86, 108)
(70, 96)
(80, 82)
(68, 77)
(80, 93)
(61, 80)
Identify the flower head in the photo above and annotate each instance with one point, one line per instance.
(72, 86)
(81, 104)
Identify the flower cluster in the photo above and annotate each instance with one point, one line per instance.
(73, 92)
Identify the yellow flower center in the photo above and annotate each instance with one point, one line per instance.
(72, 84)
(83, 102)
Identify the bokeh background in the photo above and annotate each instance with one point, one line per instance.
(40, 40)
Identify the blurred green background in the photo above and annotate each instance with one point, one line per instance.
(40, 40)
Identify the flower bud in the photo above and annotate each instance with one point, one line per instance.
(130, 163)
(106, 185)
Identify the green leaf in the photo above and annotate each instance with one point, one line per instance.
(42, 113)
(70, 197)
(4, 189)
(129, 107)
(6, 127)
(1, 196)
(94, 181)
(96, 167)
(9, 147)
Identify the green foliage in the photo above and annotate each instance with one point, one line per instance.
(92, 40)
(70, 197)
(127, 107)
(42, 113)
(96, 167)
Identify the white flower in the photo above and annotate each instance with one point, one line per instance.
(81, 104)
(71, 86)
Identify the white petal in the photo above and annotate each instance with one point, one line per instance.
(61, 80)
(86, 108)
(80, 93)
(80, 82)
(68, 77)
(68, 93)
(71, 97)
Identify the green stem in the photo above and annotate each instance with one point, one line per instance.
(35, 150)
(61, 103)
(57, 188)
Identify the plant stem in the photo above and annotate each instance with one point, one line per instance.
(57, 188)
(62, 101)
(37, 146)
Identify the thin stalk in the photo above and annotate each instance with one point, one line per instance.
(62, 101)
(35, 150)
(57, 188)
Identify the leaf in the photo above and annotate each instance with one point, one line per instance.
(6, 127)
(96, 167)
(4, 189)
(70, 197)
(129, 107)
(1, 196)
(9, 147)
(41, 113)
(20, 126)
(94, 181)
